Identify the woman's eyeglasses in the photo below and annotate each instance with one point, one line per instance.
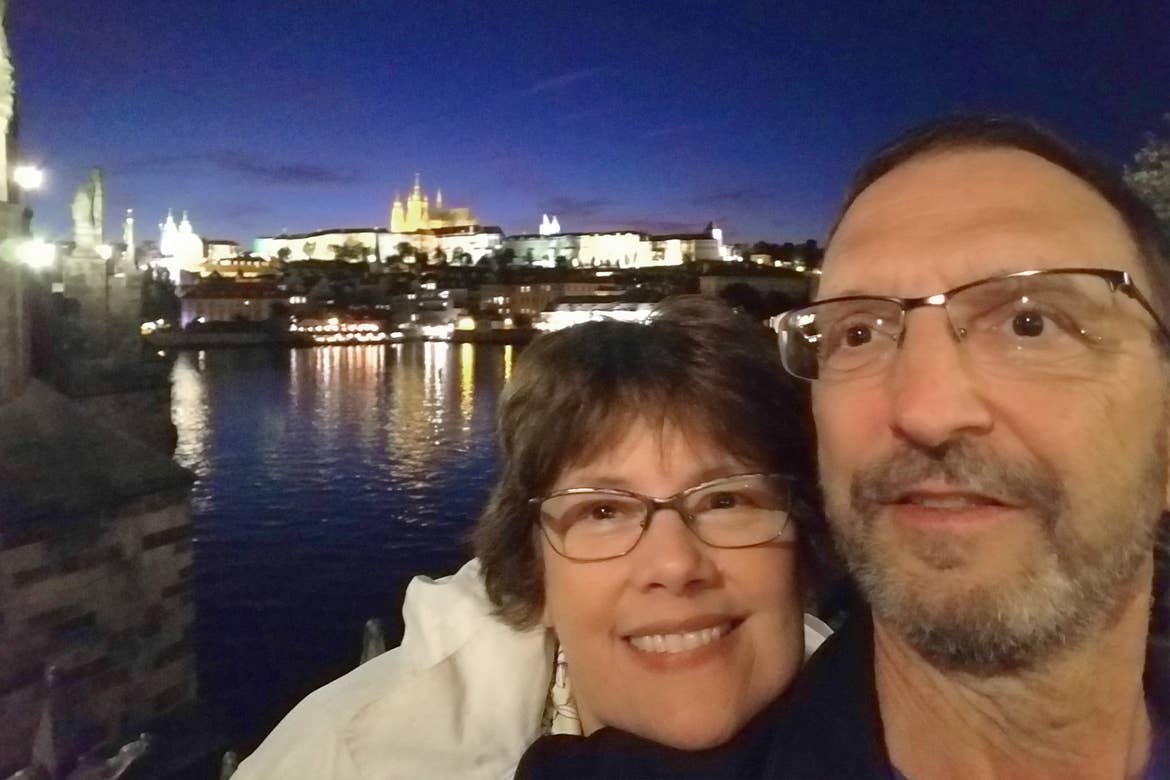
(595, 524)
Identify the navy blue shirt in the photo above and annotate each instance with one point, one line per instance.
(826, 726)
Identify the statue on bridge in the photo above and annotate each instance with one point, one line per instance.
(88, 204)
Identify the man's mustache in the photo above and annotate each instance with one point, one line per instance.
(962, 466)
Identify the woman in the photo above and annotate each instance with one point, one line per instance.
(642, 523)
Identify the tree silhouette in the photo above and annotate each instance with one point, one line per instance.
(1150, 175)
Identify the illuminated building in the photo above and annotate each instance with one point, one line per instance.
(229, 301)
(416, 213)
(532, 298)
(372, 244)
(549, 227)
(220, 249)
(619, 249)
(573, 310)
(181, 249)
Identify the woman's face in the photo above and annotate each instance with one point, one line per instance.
(672, 584)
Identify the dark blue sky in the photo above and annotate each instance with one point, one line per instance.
(258, 116)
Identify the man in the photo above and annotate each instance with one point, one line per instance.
(990, 369)
(993, 455)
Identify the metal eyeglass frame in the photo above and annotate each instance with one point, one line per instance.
(1117, 281)
(653, 505)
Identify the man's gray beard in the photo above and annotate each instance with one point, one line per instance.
(1061, 596)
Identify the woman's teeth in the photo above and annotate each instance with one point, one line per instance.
(677, 643)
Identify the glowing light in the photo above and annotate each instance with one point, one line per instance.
(37, 254)
(440, 332)
(466, 323)
(28, 177)
(105, 251)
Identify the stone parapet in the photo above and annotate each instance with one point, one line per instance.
(96, 566)
(107, 600)
(14, 351)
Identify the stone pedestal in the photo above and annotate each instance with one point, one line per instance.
(87, 286)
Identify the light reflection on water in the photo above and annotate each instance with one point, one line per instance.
(327, 478)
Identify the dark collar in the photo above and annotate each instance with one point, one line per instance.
(828, 724)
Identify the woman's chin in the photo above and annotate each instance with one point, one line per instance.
(689, 734)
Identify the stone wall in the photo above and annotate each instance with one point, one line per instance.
(14, 356)
(107, 599)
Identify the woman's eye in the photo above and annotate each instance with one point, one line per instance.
(602, 512)
(725, 500)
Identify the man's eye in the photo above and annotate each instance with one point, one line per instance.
(1028, 324)
(858, 335)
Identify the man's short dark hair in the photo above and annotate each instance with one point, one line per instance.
(695, 364)
(996, 132)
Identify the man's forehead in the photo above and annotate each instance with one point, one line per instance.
(951, 217)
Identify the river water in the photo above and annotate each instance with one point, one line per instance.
(326, 479)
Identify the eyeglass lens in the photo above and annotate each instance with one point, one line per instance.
(736, 512)
(1043, 324)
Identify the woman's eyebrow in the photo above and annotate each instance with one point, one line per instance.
(604, 479)
(599, 479)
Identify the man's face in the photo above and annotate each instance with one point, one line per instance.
(991, 516)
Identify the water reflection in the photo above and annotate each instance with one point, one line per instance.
(466, 384)
(327, 477)
(189, 411)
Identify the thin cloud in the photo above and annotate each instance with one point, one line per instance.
(296, 173)
(564, 80)
(254, 167)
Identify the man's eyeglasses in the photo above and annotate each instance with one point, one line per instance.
(1054, 322)
(595, 524)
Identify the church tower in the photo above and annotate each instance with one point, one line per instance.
(415, 218)
(397, 216)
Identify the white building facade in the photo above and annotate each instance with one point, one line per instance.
(373, 244)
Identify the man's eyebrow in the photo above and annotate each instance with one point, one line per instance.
(850, 293)
(994, 273)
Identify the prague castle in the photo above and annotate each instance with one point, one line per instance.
(416, 214)
(455, 234)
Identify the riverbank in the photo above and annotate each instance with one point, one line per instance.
(181, 340)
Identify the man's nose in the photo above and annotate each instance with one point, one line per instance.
(672, 557)
(934, 396)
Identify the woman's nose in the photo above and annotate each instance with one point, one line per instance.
(670, 556)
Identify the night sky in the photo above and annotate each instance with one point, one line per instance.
(259, 116)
